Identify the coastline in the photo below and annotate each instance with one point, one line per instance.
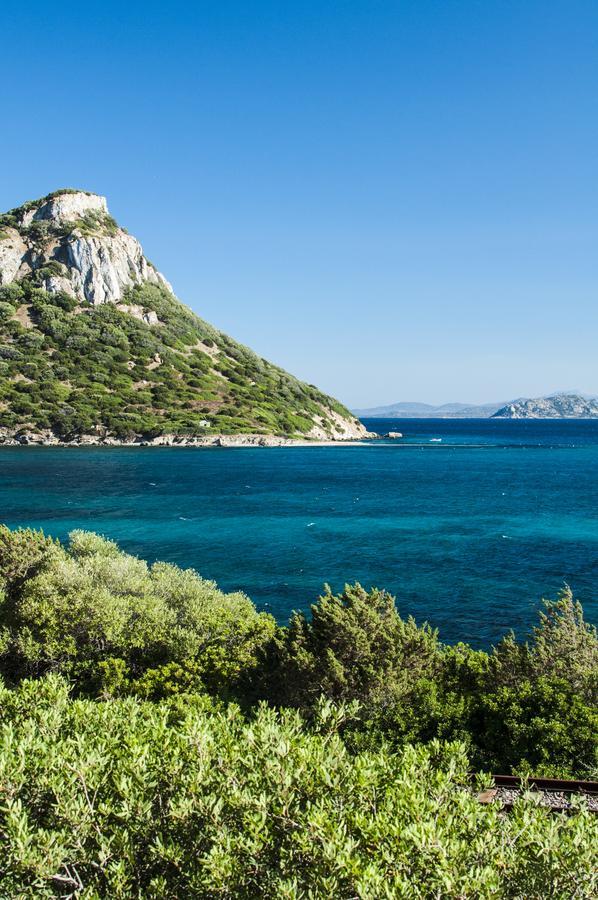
(171, 440)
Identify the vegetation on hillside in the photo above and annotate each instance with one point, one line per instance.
(159, 738)
(78, 369)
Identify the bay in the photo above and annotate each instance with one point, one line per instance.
(468, 522)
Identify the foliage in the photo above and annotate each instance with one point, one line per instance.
(115, 624)
(563, 645)
(101, 370)
(539, 726)
(129, 799)
(151, 783)
(521, 707)
(354, 646)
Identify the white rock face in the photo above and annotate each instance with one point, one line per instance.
(67, 208)
(57, 283)
(101, 265)
(138, 312)
(342, 429)
(12, 252)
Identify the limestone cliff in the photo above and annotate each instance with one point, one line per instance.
(97, 259)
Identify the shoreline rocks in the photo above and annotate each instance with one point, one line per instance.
(48, 439)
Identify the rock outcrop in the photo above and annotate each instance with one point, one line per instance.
(13, 252)
(47, 438)
(342, 428)
(66, 206)
(73, 229)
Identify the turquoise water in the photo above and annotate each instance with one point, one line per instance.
(469, 532)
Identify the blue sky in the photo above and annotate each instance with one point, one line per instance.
(393, 200)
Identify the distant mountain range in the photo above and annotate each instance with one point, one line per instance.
(556, 406)
(410, 410)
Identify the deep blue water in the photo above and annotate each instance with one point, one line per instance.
(469, 532)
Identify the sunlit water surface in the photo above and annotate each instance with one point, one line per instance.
(468, 522)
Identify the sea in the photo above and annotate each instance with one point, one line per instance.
(469, 523)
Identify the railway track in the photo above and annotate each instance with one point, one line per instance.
(555, 793)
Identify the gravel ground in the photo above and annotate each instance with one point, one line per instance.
(554, 799)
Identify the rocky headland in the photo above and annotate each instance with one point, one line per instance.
(96, 349)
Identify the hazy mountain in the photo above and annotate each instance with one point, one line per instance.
(411, 410)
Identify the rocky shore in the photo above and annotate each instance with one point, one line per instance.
(49, 439)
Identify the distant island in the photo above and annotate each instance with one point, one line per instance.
(556, 406)
(96, 349)
(559, 406)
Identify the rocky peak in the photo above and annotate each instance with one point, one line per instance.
(67, 206)
(68, 242)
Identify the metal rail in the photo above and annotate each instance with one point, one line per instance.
(554, 793)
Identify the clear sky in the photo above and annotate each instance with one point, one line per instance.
(393, 200)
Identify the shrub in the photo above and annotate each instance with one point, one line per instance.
(355, 646)
(129, 799)
(525, 706)
(116, 626)
(12, 293)
(74, 609)
(563, 645)
(6, 311)
(541, 727)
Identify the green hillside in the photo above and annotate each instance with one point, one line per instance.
(71, 369)
(143, 365)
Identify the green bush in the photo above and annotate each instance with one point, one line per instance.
(354, 646)
(92, 612)
(151, 783)
(12, 293)
(6, 311)
(524, 706)
(116, 626)
(128, 799)
(541, 726)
